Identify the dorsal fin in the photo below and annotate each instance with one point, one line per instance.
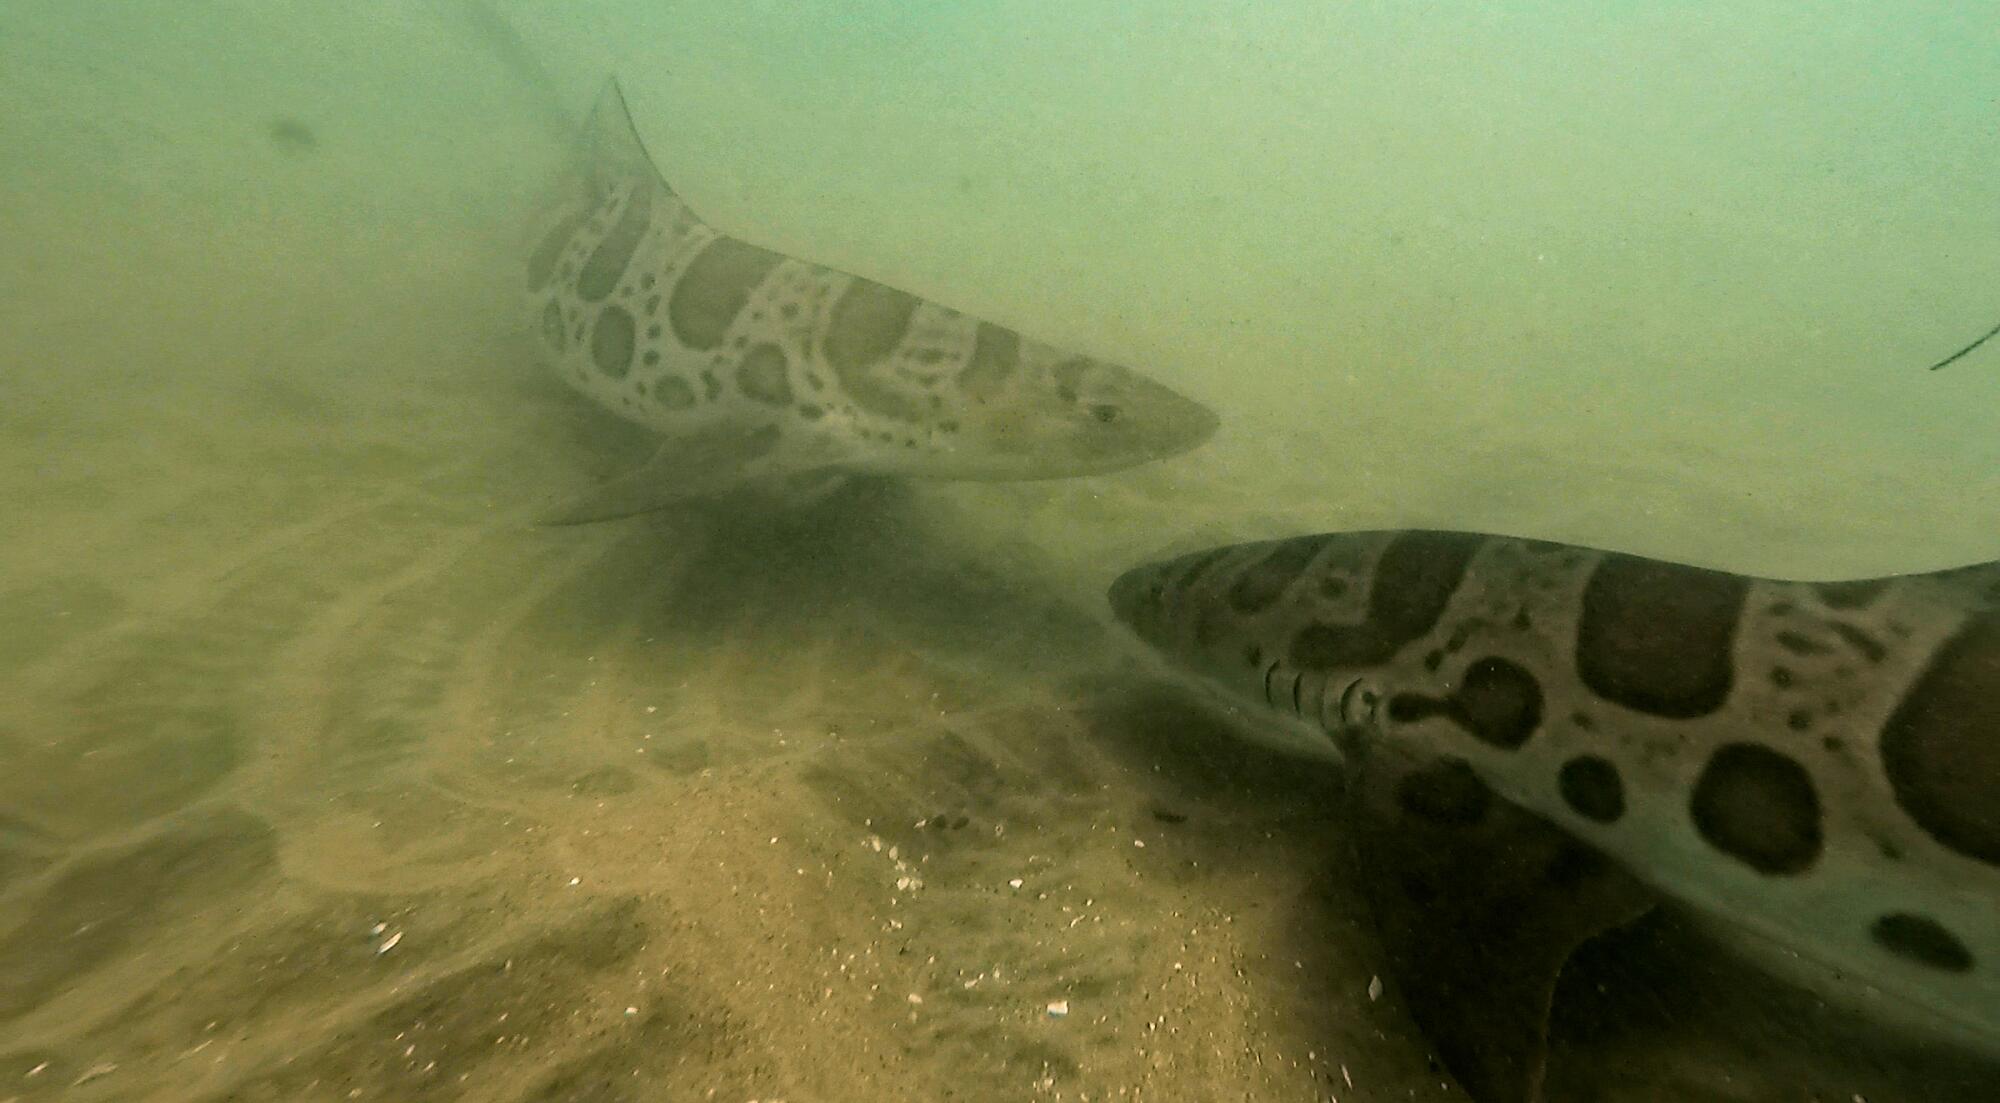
(610, 151)
(606, 154)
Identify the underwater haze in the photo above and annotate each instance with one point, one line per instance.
(326, 772)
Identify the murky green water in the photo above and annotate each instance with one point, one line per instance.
(328, 775)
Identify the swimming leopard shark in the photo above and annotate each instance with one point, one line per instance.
(1543, 741)
(767, 372)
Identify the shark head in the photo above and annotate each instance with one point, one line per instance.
(1044, 413)
(1224, 615)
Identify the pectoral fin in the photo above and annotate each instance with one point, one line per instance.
(1479, 905)
(701, 465)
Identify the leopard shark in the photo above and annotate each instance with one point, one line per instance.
(766, 372)
(1544, 741)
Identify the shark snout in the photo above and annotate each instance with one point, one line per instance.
(1156, 420)
(1190, 423)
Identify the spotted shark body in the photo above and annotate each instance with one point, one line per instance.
(1813, 767)
(766, 370)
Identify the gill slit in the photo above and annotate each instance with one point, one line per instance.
(1345, 705)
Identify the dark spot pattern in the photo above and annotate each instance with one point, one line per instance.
(1413, 582)
(611, 341)
(996, 354)
(1500, 702)
(1590, 785)
(1923, 940)
(1941, 746)
(674, 393)
(765, 376)
(1759, 807)
(1798, 643)
(714, 289)
(1869, 647)
(1497, 701)
(1656, 637)
(608, 261)
(1447, 791)
(1265, 581)
(1851, 595)
(1199, 566)
(865, 325)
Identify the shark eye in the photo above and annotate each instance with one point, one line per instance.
(1104, 412)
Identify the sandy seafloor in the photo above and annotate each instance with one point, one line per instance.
(325, 775)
